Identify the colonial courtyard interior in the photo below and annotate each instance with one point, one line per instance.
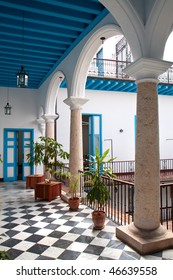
(93, 75)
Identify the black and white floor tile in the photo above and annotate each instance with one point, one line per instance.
(41, 230)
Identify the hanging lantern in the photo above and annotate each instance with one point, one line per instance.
(7, 109)
(22, 78)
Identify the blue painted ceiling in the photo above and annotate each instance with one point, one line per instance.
(40, 33)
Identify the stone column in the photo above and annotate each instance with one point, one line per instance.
(50, 125)
(147, 167)
(50, 132)
(146, 234)
(76, 141)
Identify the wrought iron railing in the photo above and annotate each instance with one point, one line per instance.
(166, 205)
(125, 169)
(120, 207)
(115, 69)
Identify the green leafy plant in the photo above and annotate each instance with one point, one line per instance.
(98, 191)
(74, 200)
(48, 152)
(36, 155)
(73, 185)
(63, 175)
(1, 159)
(4, 255)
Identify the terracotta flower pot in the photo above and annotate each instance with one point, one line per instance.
(98, 218)
(74, 203)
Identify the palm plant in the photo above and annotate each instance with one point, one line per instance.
(98, 168)
(98, 192)
(73, 185)
(74, 200)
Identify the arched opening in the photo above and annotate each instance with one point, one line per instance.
(168, 54)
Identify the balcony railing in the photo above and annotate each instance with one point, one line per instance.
(125, 169)
(120, 207)
(110, 68)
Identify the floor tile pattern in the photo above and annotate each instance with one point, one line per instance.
(41, 230)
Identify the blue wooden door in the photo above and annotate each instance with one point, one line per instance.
(17, 143)
(95, 134)
(10, 155)
(27, 138)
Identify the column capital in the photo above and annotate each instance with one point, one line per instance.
(42, 125)
(75, 102)
(40, 121)
(50, 118)
(147, 69)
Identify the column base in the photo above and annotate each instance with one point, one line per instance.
(145, 241)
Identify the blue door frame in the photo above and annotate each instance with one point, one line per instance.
(95, 133)
(11, 150)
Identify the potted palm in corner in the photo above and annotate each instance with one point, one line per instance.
(98, 193)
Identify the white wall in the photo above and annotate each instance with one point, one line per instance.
(118, 110)
(24, 113)
(166, 126)
(63, 123)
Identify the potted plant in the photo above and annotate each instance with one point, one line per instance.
(48, 152)
(4, 255)
(74, 200)
(98, 192)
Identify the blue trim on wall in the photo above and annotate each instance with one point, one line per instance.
(107, 84)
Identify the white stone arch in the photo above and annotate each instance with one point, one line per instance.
(168, 54)
(91, 46)
(52, 91)
(130, 23)
(145, 39)
(158, 28)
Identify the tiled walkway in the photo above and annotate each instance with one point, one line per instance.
(40, 230)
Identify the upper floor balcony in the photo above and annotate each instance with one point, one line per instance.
(108, 74)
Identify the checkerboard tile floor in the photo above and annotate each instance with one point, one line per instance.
(40, 230)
